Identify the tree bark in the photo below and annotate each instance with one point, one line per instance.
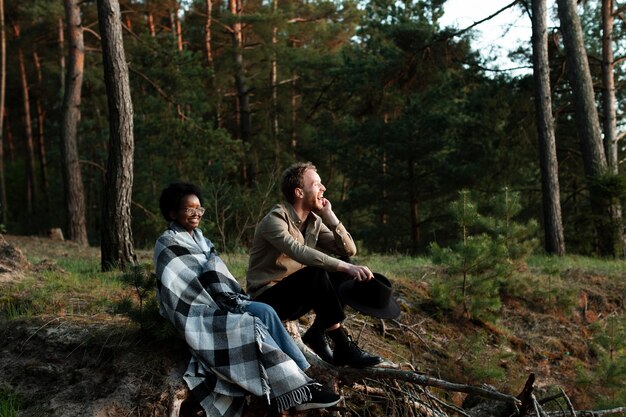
(209, 57)
(179, 29)
(117, 246)
(609, 114)
(243, 99)
(10, 141)
(294, 114)
(61, 36)
(3, 77)
(553, 225)
(41, 143)
(29, 148)
(72, 177)
(588, 127)
(608, 84)
(413, 206)
(274, 85)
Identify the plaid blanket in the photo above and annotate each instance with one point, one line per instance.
(231, 356)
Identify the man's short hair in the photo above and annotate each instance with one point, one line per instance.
(292, 179)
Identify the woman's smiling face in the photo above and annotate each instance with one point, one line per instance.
(189, 213)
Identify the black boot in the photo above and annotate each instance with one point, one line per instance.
(315, 338)
(347, 353)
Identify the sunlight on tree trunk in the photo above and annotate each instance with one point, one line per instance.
(609, 111)
(28, 140)
(216, 91)
(553, 225)
(588, 126)
(608, 94)
(41, 144)
(72, 176)
(117, 244)
(243, 99)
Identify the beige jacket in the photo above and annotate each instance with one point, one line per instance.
(279, 248)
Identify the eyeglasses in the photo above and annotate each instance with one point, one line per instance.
(189, 211)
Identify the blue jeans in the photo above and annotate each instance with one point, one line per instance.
(279, 336)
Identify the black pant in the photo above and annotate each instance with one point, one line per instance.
(308, 289)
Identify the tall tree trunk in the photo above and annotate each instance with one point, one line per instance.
(608, 84)
(413, 206)
(175, 25)
(151, 27)
(274, 85)
(179, 30)
(41, 143)
(29, 148)
(551, 194)
(72, 177)
(209, 57)
(243, 99)
(3, 77)
(294, 114)
(117, 249)
(61, 40)
(609, 113)
(588, 127)
(10, 140)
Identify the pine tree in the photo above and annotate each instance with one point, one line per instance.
(489, 249)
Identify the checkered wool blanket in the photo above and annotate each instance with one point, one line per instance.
(230, 354)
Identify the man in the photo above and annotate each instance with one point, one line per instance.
(289, 269)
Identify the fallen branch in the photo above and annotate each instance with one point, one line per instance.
(351, 374)
(588, 413)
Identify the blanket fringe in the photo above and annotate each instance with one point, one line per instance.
(259, 336)
(293, 398)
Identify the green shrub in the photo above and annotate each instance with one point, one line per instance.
(489, 250)
(143, 308)
(9, 404)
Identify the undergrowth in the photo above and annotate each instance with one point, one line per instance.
(490, 351)
(10, 404)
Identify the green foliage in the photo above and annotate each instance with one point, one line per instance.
(398, 115)
(487, 253)
(143, 308)
(78, 287)
(478, 361)
(610, 340)
(10, 404)
(12, 308)
(541, 292)
(610, 334)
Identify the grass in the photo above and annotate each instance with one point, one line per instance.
(67, 287)
(554, 265)
(9, 405)
(68, 281)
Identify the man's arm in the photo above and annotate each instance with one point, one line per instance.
(333, 236)
(275, 230)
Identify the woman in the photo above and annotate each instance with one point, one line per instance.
(238, 346)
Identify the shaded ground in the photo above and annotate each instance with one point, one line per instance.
(102, 365)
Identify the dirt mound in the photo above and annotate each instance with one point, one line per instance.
(12, 260)
(96, 366)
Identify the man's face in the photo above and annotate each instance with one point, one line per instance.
(312, 191)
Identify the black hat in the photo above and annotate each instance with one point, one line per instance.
(373, 297)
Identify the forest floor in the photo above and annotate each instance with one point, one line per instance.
(66, 350)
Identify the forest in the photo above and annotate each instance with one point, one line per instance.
(400, 115)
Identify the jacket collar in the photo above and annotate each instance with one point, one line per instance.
(293, 216)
